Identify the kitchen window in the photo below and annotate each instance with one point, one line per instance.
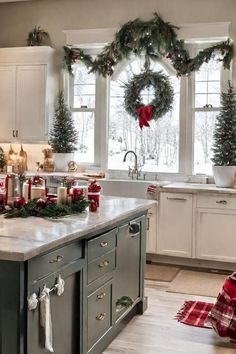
(177, 144)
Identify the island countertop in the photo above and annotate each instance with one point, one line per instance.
(22, 239)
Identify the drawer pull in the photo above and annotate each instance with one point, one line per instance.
(177, 199)
(101, 317)
(103, 244)
(103, 264)
(101, 296)
(58, 258)
(224, 202)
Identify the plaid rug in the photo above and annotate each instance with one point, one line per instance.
(194, 313)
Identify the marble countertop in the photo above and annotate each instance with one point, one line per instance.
(195, 188)
(22, 239)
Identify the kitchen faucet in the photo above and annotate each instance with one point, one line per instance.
(135, 170)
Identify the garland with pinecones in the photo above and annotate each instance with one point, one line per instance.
(155, 39)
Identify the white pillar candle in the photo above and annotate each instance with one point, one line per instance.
(11, 187)
(61, 195)
(37, 192)
(26, 191)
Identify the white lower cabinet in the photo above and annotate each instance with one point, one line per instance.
(174, 236)
(216, 235)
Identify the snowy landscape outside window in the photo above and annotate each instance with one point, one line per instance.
(157, 147)
(206, 108)
(83, 97)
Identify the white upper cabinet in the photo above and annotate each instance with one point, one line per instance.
(27, 91)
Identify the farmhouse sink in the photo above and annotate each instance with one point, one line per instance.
(128, 188)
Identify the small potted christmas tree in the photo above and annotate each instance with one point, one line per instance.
(2, 159)
(64, 136)
(224, 148)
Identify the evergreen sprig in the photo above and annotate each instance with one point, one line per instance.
(224, 147)
(64, 136)
(49, 211)
(38, 37)
(154, 38)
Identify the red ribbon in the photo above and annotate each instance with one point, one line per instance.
(6, 187)
(145, 114)
(29, 190)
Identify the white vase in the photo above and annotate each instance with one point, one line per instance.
(224, 176)
(61, 161)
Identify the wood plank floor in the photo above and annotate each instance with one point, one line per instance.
(156, 332)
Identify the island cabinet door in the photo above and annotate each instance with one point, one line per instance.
(127, 274)
(66, 313)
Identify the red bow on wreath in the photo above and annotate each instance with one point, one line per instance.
(145, 114)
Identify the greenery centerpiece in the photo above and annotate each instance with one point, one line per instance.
(224, 148)
(64, 136)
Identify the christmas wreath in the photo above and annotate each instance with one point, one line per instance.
(155, 39)
(160, 104)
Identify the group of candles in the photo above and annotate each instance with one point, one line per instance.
(35, 188)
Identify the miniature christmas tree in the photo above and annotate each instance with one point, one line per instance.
(64, 136)
(2, 159)
(224, 147)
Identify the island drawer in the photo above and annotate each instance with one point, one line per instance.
(101, 266)
(41, 266)
(101, 244)
(220, 201)
(99, 313)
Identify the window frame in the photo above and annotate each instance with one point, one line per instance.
(186, 119)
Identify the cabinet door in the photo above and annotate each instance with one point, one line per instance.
(175, 225)
(127, 276)
(152, 230)
(7, 103)
(66, 313)
(31, 93)
(215, 238)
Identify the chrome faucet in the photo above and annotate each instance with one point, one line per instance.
(135, 170)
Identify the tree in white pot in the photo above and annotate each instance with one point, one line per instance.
(64, 136)
(224, 148)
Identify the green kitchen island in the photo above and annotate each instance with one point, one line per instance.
(99, 257)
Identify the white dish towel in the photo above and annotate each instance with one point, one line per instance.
(45, 317)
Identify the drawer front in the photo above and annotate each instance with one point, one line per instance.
(99, 313)
(220, 201)
(101, 266)
(41, 266)
(101, 245)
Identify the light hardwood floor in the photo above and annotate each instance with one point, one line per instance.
(156, 332)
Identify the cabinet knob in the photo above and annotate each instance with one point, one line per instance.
(101, 296)
(58, 258)
(16, 133)
(103, 264)
(104, 244)
(13, 133)
(101, 317)
(134, 228)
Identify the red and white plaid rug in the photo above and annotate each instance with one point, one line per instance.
(194, 313)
